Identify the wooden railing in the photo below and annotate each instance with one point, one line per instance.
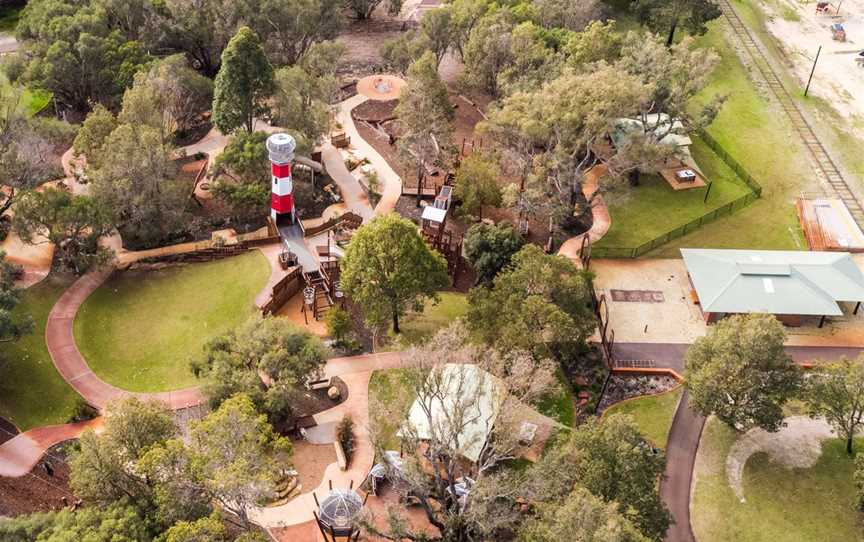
(284, 290)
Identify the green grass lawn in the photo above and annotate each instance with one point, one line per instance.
(392, 389)
(653, 208)
(758, 135)
(32, 392)
(419, 327)
(792, 505)
(652, 414)
(32, 100)
(559, 405)
(140, 329)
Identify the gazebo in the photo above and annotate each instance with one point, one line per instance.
(339, 514)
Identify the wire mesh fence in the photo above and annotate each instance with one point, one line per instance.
(707, 218)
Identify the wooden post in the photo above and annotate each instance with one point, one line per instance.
(821, 321)
(857, 306)
(710, 184)
(813, 69)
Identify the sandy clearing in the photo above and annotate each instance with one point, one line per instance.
(837, 78)
(798, 445)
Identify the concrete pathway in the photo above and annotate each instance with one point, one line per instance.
(72, 366)
(599, 212)
(675, 485)
(391, 183)
(20, 454)
(355, 371)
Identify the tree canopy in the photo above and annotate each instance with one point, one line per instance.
(597, 521)
(667, 15)
(539, 303)
(73, 224)
(388, 269)
(611, 459)
(740, 372)
(425, 113)
(243, 84)
(477, 184)
(489, 249)
(269, 360)
(836, 392)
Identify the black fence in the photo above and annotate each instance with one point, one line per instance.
(707, 218)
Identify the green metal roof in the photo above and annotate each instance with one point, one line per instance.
(773, 282)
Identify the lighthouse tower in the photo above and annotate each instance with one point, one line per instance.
(281, 150)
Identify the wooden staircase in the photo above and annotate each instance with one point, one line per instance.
(323, 299)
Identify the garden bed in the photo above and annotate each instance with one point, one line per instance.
(623, 387)
(38, 491)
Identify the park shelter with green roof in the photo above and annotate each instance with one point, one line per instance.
(791, 285)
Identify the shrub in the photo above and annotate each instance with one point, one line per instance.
(82, 411)
(338, 324)
(345, 436)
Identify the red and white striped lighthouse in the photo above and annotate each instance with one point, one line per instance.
(281, 150)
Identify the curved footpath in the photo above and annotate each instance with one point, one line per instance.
(21, 453)
(60, 339)
(601, 221)
(687, 425)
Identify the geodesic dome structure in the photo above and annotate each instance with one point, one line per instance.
(339, 512)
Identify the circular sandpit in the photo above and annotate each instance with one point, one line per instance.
(381, 87)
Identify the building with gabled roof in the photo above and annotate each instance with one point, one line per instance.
(788, 284)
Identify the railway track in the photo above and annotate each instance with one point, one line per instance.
(825, 165)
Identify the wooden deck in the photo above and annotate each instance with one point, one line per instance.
(670, 174)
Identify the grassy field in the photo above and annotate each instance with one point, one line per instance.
(653, 208)
(652, 414)
(759, 136)
(391, 388)
(140, 329)
(32, 101)
(792, 505)
(32, 392)
(418, 328)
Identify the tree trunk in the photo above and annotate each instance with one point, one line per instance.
(8, 203)
(396, 322)
(849, 445)
(671, 37)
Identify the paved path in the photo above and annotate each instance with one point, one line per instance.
(355, 371)
(601, 221)
(675, 485)
(21, 453)
(72, 366)
(391, 183)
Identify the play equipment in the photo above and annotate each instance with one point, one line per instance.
(838, 33)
